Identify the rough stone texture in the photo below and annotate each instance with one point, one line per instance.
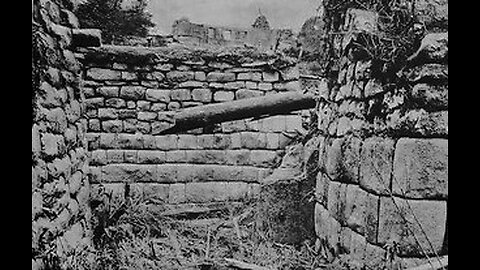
(376, 165)
(420, 168)
(383, 170)
(60, 188)
(395, 214)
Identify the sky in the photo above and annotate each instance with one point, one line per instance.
(289, 14)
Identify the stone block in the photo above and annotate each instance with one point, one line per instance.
(236, 191)
(244, 76)
(321, 217)
(222, 141)
(174, 106)
(420, 168)
(180, 94)
(253, 140)
(101, 74)
(236, 173)
(263, 158)
(273, 141)
(93, 103)
(376, 165)
(157, 95)
(431, 96)
(265, 86)
(129, 173)
(112, 126)
(234, 85)
(108, 91)
(292, 86)
(291, 73)
(336, 201)
(398, 222)
(245, 93)
(143, 105)
(206, 141)
(191, 84)
(115, 103)
(128, 141)
(206, 156)
(238, 157)
(129, 76)
(114, 156)
(235, 141)
(130, 156)
(147, 116)
(215, 85)
(56, 119)
(186, 141)
(163, 67)
(158, 107)
(220, 77)
(200, 76)
(149, 142)
(293, 122)
(153, 76)
(177, 194)
(180, 76)
(202, 95)
(159, 127)
(251, 85)
(176, 156)
(196, 173)
(270, 76)
(132, 92)
(274, 124)
(418, 123)
(52, 145)
(167, 142)
(221, 96)
(205, 192)
(234, 126)
(154, 193)
(361, 212)
(107, 113)
(166, 173)
(151, 157)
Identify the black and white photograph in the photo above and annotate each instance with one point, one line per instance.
(239, 134)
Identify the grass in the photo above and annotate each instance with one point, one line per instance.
(127, 235)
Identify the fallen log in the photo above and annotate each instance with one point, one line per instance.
(201, 116)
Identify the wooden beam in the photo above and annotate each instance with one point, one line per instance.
(201, 116)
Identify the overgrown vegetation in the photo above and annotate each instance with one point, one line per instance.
(127, 235)
(114, 19)
(397, 37)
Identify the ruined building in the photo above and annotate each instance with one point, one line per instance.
(259, 35)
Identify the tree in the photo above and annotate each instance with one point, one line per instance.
(115, 19)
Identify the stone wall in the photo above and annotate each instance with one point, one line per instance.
(382, 189)
(199, 34)
(60, 190)
(130, 93)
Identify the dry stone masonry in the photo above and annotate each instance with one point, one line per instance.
(60, 188)
(131, 94)
(378, 155)
(382, 188)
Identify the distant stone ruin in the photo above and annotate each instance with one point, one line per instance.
(259, 35)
